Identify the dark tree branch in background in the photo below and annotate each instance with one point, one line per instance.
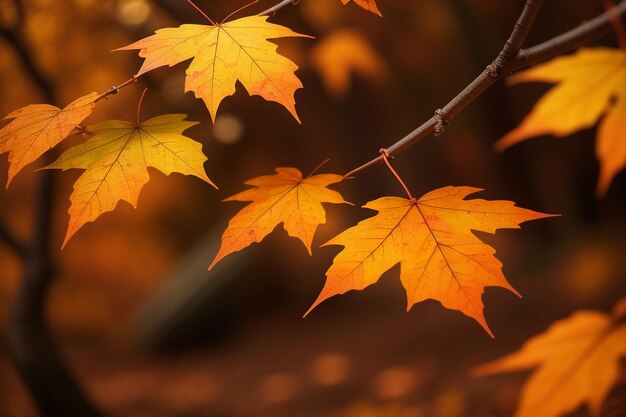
(54, 390)
(44, 372)
(52, 386)
(12, 241)
(12, 36)
(511, 58)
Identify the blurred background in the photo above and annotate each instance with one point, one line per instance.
(150, 333)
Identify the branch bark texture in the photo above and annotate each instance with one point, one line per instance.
(275, 9)
(511, 58)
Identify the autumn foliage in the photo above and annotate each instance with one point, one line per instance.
(286, 198)
(589, 87)
(431, 237)
(116, 158)
(37, 128)
(576, 362)
(223, 54)
(438, 240)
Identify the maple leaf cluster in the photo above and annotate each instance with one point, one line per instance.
(431, 237)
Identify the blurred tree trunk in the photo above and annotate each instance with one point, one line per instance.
(44, 372)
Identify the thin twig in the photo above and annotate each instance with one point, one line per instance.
(510, 58)
(116, 88)
(518, 36)
(274, 9)
(618, 27)
(581, 35)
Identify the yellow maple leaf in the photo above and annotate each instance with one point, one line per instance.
(366, 4)
(285, 197)
(343, 53)
(37, 128)
(116, 161)
(431, 237)
(590, 83)
(222, 54)
(576, 362)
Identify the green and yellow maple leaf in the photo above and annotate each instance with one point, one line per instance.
(116, 160)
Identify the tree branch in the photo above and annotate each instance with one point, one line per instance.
(509, 59)
(273, 10)
(518, 36)
(43, 370)
(581, 35)
(32, 348)
(12, 241)
(14, 39)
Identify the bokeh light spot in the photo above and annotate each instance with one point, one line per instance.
(394, 382)
(277, 388)
(133, 12)
(228, 129)
(330, 369)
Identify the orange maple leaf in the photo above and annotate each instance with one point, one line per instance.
(222, 54)
(590, 83)
(576, 362)
(116, 160)
(285, 197)
(366, 4)
(432, 239)
(37, 128)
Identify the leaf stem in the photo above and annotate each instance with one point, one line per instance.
(127, 116)
(324, 162)
(238, 10)
(385, 157)
(201, 12)
(139, 106)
